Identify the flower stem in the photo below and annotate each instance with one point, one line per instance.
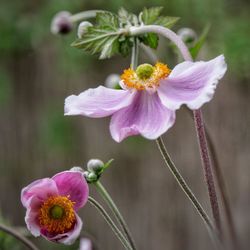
(207, 166)
(100, 188)
(197, 116)
(84, 15)
(183, 184)
(115, 229)
(135, 54)
(18, 236)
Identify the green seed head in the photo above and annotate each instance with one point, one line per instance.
(144, 71)
(56, 212)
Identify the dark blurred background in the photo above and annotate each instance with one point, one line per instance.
(38, 70)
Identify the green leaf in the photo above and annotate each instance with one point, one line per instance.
(152, 16)
(101, 38)
(167, 21)
(149, 16)
(151, 40)
(200, 42)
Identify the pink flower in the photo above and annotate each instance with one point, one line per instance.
(149, 97)
(52, 204)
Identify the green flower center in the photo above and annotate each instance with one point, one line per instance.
(56, 212)
(144, 71)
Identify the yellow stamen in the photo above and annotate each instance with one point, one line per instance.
(57, 214)
(132, 80)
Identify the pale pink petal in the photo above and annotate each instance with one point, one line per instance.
(42, 189)
(73, 183)
(66, 238)
(32, 213)
(146, 116)
(192, 83)
(98, 102)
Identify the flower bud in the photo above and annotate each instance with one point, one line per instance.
(187, 35)
(61, 23)
(90, 177)
(95, 166)
(76, 169)
(112, 81)
(82, 28)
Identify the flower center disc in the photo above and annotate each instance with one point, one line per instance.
(145, 76)
(57, 214)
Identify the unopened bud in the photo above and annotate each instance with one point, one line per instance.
(112, 81)
(61, 23)
(187, 35)
(82, 28)
(95, 166)
(90, 177)
(76, 169)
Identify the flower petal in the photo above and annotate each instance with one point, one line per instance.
(98, 102)
(42, 189)
(73, 183)
(146, 116)
(32, 213)
(192, 83)
(67, 238)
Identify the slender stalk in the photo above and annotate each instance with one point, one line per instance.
(207, 166)
(183, 184)
(84, 15)
(18, 236)
(115, 229)
(135, 54)
(103, 192)
(222, 186)
(197, 117)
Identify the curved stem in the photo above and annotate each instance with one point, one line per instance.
(116, 212)
(197, 116)
(115, 229)
(84, 15)
(18, 236)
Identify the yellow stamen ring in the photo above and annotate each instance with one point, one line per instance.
(132, 79)
(57, 214)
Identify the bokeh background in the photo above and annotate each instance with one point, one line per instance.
(38, 70)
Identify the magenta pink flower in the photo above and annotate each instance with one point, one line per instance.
(149, 97)
(52, 204)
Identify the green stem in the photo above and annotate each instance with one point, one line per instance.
(18, 236)
(182, 183)
(103, 192)
(115, 229)
(135, 54)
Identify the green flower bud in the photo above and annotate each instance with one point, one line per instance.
(95, 166)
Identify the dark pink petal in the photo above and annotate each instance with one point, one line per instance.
(67, 238)
(73, 183)
(192, 83)
(42, 189)
(98, 102)
(146, 116)
(32, 213)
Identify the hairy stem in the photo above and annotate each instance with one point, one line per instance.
(135, 54)
(116, 212)
(115, 229)
(197, 116)
(84, 15)
(18, 236)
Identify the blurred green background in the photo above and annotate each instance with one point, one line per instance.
(38, 70)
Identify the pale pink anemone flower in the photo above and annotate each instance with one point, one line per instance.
(149, 96)
(52, 204)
